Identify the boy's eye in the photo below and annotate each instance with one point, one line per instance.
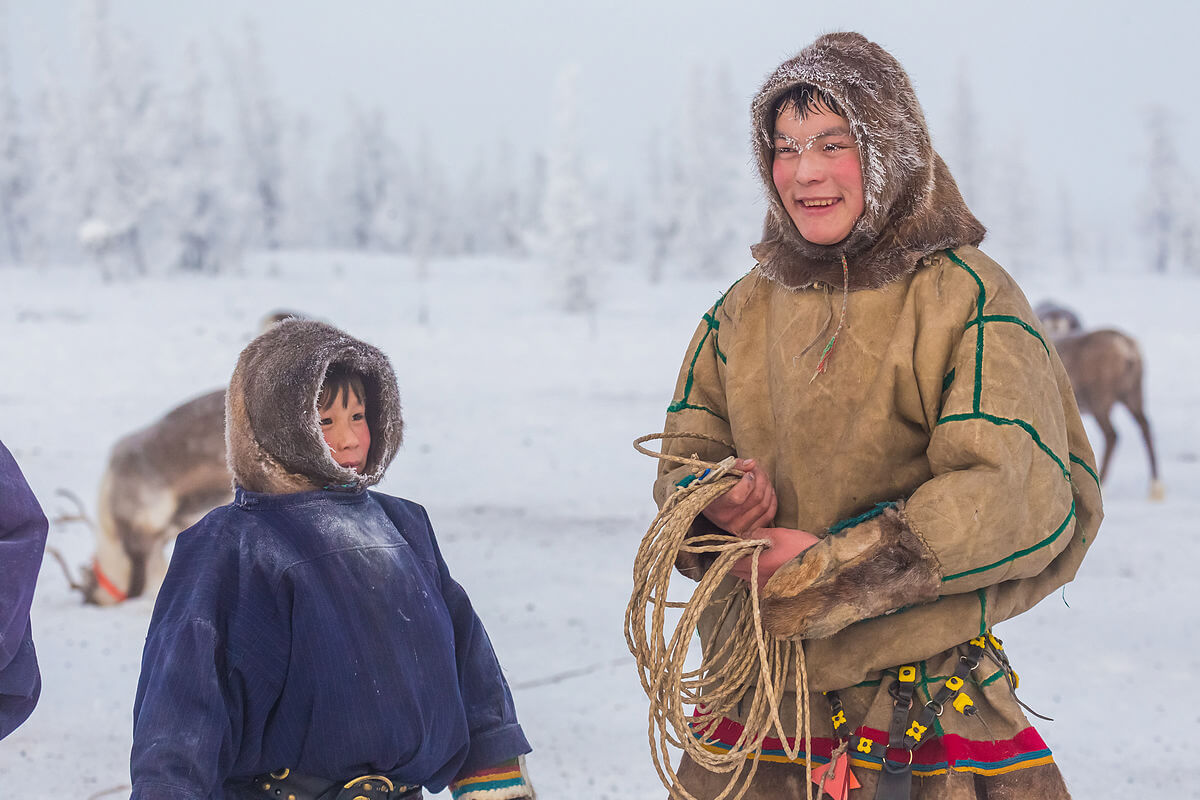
(326, 421)
(359, 417)
(836, 145)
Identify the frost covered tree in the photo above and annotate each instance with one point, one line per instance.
(198, 215)
(259, 142)
(1172, 200)
(708, 184)
(55, 154)
(16, 168)
(119, 154)
(368, 185)
(564, 238)
(1016, 233)
(965, 142)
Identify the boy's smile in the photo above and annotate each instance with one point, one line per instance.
(816, 171)
(344, 426)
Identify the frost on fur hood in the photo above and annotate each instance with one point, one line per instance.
(912, 204)
(272, 425)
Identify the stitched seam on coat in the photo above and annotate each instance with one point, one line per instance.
(1020, 423)
(874, 512)
(1020, 553)
(982, 594)
(1016, 321)
(1086, 468)
(949, 379)
(710, 319)
(979, 303)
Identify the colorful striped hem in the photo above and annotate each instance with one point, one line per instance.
(506, 782)
(938, 756)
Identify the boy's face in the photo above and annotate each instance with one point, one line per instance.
(344, 426)
(817, 172)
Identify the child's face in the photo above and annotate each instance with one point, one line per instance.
(344, 426)
(818, 174)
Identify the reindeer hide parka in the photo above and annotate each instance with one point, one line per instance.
(940, 457)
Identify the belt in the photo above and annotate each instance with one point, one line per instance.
(287, 785)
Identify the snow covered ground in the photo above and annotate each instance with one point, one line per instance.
(519, 421)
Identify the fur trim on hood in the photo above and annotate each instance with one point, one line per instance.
(272, 425)
(912, 204)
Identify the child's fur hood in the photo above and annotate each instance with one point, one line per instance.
(272, 424)
(912, 204)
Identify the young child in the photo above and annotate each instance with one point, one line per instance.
(308, 641)
(910, 443)
(22, 542)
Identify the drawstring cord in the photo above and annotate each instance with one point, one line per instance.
(824, 362)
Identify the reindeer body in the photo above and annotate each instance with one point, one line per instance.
(159, 480)
(1106, 368)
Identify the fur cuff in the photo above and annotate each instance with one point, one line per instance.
(505, 781)
(871, 569)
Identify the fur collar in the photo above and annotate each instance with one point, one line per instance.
(912, 204)
(272, 428)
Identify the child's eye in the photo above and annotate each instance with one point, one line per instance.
(359, 417)
(836, 146)
(326, 422)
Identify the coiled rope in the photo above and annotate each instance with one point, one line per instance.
(747, 659)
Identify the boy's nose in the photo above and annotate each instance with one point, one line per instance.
(346, 439)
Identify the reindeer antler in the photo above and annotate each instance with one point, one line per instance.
(80, 514)
(62, 562)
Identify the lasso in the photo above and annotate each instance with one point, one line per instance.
(747, 659)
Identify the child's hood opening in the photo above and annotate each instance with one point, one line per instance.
(272, 424)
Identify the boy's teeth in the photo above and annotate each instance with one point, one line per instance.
(811, 203)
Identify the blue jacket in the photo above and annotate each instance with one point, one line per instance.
(22, 542)
(319, 631)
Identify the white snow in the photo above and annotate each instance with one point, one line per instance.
(519, 422)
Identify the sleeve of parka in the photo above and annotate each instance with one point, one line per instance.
(697, 407)
(22, 542)
(998, 506)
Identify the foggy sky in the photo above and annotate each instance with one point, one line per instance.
(1066, 83)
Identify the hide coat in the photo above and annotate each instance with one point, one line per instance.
(22, 542)
(312, 624)
(940, 458)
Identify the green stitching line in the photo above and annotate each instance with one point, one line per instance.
(995, 676)
(713, 324)
(1015, 321)
(979, 303)
(1020, 423)
(1020, 553)
(949, 379)
(878, 509)
(1086, 468)
(982, 593)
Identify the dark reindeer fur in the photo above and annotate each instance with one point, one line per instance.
(272, 425)
(913, 206)
(884, 566)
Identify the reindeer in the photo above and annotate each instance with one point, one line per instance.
(1105, 367)
(160, 480)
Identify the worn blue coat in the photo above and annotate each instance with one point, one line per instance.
(22, 542)
(319, 631)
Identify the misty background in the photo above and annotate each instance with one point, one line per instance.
(144, 137)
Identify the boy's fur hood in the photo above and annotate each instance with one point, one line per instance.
(912, 204)
(272, 424)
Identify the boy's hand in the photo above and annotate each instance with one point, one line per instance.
(786, 544)
(748, 505)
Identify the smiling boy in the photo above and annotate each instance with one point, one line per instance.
(910, 444)
(309, 641)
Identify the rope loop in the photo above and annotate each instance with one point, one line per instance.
(742, 664)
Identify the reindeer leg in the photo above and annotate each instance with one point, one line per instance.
(1110, 438)
(1156, 487)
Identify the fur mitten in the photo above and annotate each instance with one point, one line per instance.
(871, 569)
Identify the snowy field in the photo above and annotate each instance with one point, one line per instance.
(519, 422)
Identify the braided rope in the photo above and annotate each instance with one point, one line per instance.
(746, 659)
